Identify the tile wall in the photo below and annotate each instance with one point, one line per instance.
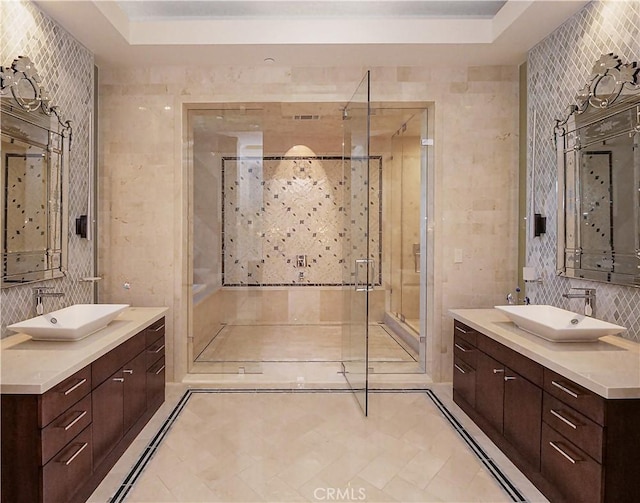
(557, 68)
(66, 70)
(144, 184)
(277, 209)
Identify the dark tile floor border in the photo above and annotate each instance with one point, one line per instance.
(150, 450)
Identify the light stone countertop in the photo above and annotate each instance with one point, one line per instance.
(609, 367)
(33, 367)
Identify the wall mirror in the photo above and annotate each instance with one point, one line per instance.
(35, 156)
(598, 152)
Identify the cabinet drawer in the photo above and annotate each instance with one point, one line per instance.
(576, 427)
(68, 470)
(466, 333)
(110, 363)
(466, 352)
(154, 332)
(155, 352)
(464, 381)
(574, 474)
(62, 429)
(574, 395)
(64, 395)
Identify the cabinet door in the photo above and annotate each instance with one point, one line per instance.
(523, 416)
(108, 416)
(155, 384)
(490, 390)
(464, 381)
(135, 390)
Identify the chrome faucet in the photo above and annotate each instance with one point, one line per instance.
(40, 292)
(589, 296)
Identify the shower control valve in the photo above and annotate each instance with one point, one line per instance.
(301, 261)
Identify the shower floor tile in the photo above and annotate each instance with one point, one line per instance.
(306, 446)
(297, 343)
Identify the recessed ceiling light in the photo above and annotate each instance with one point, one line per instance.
(269, 60)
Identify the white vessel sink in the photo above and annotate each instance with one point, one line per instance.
(557, 325)
(71, 323)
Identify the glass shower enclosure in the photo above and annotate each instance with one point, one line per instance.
(406, 198)
(357, 261)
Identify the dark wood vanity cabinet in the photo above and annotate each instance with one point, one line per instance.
(573, 444)
(505, 399)
(58, 446)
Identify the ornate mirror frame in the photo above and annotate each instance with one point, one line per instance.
(35, 216)
(599, 136)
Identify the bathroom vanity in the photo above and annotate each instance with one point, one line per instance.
(70, 409)
(566, 414)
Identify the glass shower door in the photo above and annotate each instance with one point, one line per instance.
(406, 198)
(357, 265)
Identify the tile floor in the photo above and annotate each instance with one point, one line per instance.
(276, 446)
(297, 354)
(282, 343)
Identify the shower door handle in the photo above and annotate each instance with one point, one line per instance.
(367, 286)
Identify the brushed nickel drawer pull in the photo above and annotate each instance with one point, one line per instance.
(75, 387)
(563, 419)
(459, 368)
(127, 371)
(75, 420)
(461, 330)
(156, 351)
(75, 454)
(159, 370)
(510, 378)
(498, 371)
(157, 329)
(462, 348)
(565, 389)
(118, 379)
(557, 448)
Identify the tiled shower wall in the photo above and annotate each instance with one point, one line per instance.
(557, 68)
(279, 209)
(475, 119)
(66, 70)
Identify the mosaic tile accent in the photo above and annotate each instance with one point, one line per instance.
(66, 69)
(557, 68)
(283, 219)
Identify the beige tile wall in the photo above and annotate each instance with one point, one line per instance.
(144, 191)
